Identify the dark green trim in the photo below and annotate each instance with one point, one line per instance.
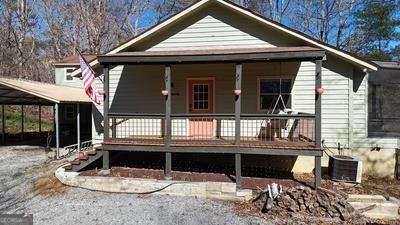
(222, 150)
(242, 57)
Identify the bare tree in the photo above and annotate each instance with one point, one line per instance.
(327, 20)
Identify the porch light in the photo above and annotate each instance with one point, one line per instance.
(101, 92)
(237, 91)
(164, 92)
(320, 91)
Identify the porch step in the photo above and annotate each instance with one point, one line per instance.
(82, 162)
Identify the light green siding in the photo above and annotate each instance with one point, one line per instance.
(209, 32)
(60, 78)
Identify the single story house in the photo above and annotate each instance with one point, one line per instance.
(219, 78)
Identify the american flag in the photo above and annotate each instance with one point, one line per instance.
(88, 76)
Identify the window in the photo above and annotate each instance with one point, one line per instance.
(68, 72)
(200, 96)
(269, 90)
(69, 112)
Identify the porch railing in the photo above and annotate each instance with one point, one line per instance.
(214, 129)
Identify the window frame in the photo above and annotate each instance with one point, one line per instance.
(66, 74)
(284, 77)
(213, 97)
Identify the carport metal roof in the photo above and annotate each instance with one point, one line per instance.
(23, 92)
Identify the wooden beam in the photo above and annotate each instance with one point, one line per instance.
(106, 106)
(214, 150)
(167, 135)
(243, 57)
(318, 103)
(238, 101)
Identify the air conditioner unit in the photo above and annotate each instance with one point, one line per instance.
(345, 168)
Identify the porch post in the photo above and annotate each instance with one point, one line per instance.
(318, 84)
(22, 122)
(57, 127)
(114, 128)
(3, 125)
(317, 171)
(238, 170)
(238, 105)
(238, 102)
(167, 136)
(78, 126)
(106, 126)
(40, 119)
(318, 120)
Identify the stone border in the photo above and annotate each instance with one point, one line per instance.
(209, 190)
(383, 209)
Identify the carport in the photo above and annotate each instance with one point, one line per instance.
(23, 93)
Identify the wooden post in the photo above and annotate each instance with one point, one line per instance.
(22, 122)
(57, 127)
(218, 133)
(3, 125)
(114, 128)
(317, 171)
(167, 135)
(238, 169)
(78, 126)
(40, 119)
(318, 103)
(238, 102)
(318, 121)
(106, 106)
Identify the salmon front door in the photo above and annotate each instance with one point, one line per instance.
(201, 101)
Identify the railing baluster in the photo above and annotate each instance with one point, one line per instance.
(209, 129)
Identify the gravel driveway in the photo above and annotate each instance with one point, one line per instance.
(78, 206)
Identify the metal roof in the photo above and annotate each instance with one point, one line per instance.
(388, 64)
(17, 92)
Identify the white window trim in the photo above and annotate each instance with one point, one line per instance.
(65, 74)
(259, 78)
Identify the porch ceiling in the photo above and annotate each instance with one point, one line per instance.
(302, 53)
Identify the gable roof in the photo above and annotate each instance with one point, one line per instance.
(73, 60)
(247, 13)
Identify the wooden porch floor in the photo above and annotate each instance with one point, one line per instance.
(217, 142)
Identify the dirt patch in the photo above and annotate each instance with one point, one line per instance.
(376, 186)
(248, 182)
(48, 185)
(370, 185)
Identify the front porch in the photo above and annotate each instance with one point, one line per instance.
(205, 128)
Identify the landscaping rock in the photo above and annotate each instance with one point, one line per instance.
(302, 200)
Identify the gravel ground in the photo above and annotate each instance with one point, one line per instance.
(78, 206)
